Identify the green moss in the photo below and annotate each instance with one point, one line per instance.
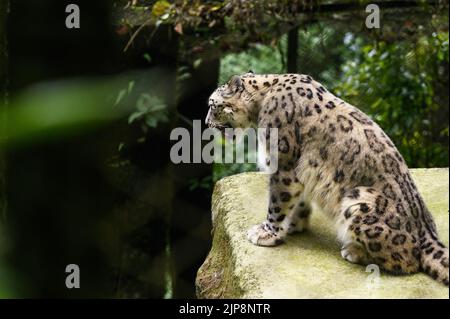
(215, 277)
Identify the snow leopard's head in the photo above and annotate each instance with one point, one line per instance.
(232, 104)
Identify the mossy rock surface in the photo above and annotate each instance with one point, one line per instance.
(308, 265)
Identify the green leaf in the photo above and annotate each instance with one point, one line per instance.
(134, 116)
(130, 86)
(160, 7)
(144, 102)
(151, 121)
(197, 63)
(120, 96)
(147, 57)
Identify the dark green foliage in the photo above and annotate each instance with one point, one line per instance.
(404, 87)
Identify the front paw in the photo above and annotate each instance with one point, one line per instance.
(261, 235)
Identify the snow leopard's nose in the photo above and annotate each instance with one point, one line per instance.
(212, 106)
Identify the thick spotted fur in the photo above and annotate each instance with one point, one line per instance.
(334, 155)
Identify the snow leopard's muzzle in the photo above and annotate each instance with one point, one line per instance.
(217, 116)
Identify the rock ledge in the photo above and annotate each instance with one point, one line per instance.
(308, 265)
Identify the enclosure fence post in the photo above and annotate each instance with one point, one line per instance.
(292, 50)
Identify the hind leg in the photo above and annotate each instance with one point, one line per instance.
(377, 233)
(355, 207)
(355, 252)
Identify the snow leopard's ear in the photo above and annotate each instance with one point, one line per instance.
(236, 82)
(233, 86)
(251, 72)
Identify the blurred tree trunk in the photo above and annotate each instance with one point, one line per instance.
(57, 191)
(4, 7)
(191, 221)
(292, 51)
(144, 208)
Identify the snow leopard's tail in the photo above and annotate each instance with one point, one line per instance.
(434, 260)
